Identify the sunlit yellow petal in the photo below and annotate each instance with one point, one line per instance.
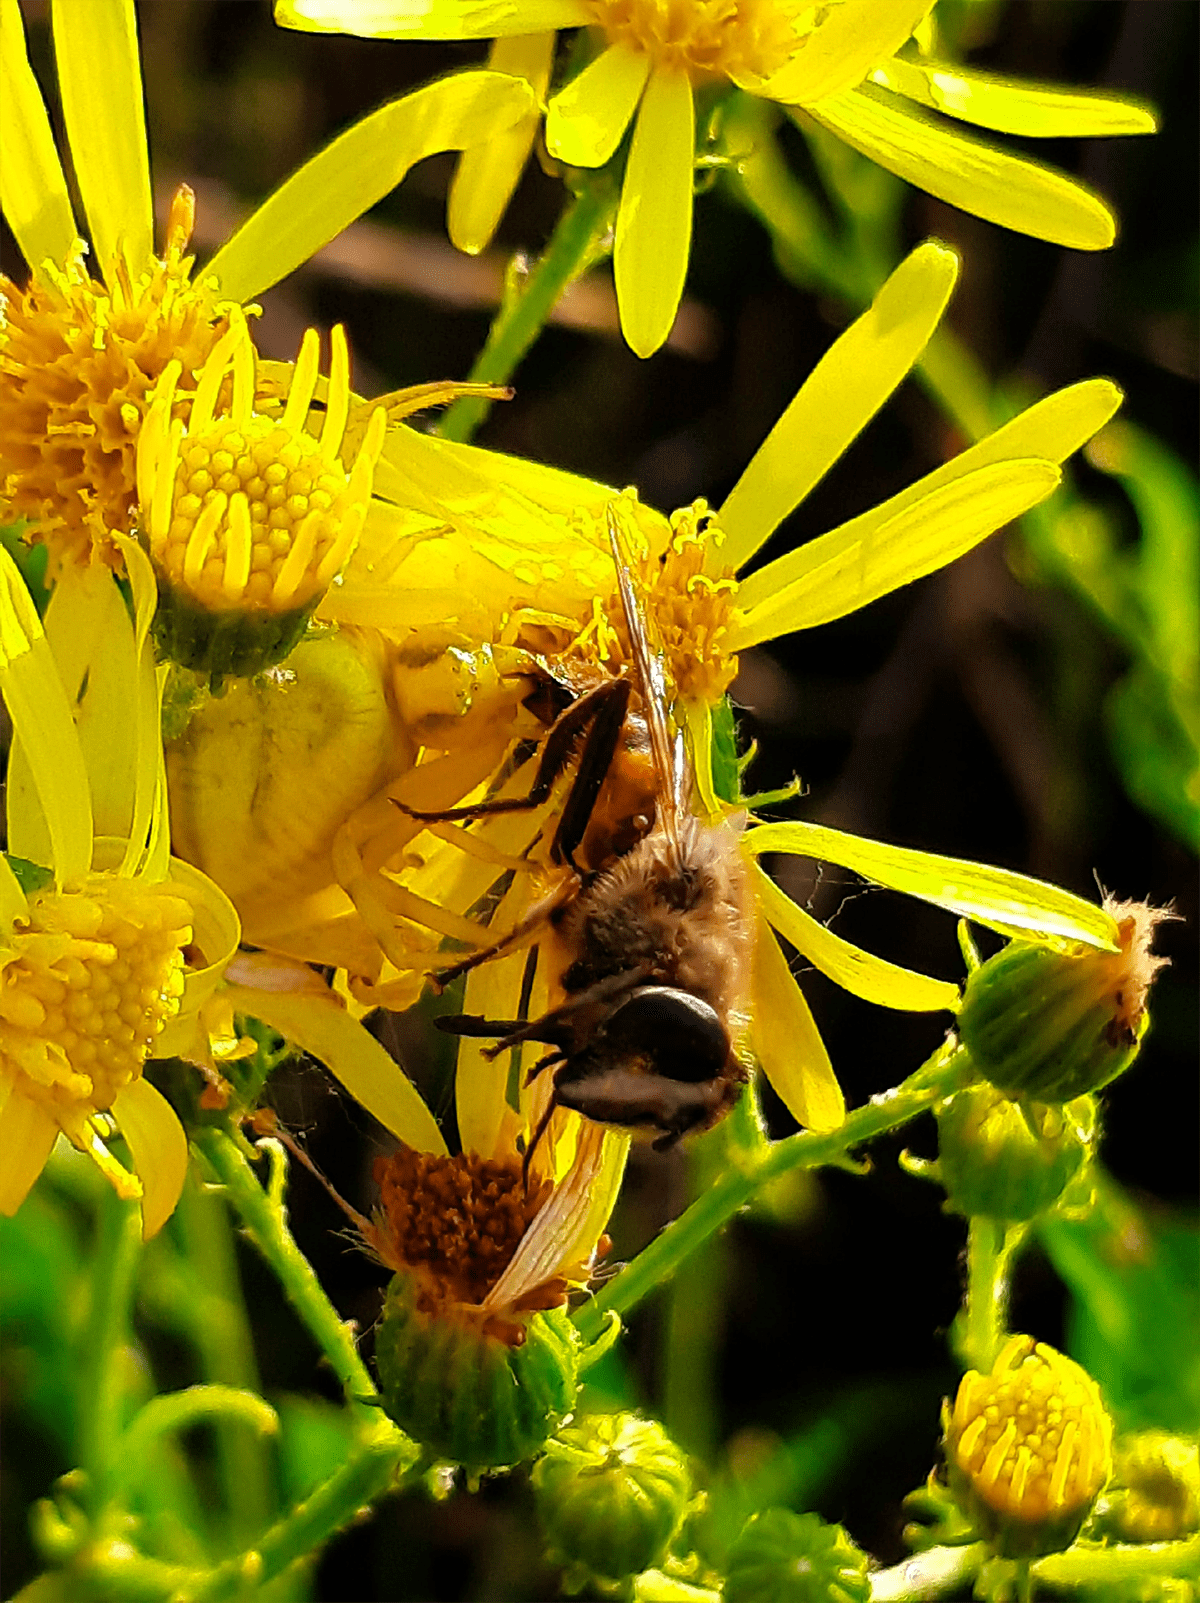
(49, 804)
(1005, 901)
(654, 220)
(1009, 106)
(149, 780)
(100, 77)
(358, 168)
(846, 43)
(843, 573)
(33, 189)
(488, 173)
(856, 971)
(27, 1134)
(431, 19)
(320, 1025)
(480, 1084)
(1010, 190)
(844, 391)
(788, 1044)
(88, 628)
(158, 1147)
(585, 121)
(1052, 429)
(215, 935)
(697, 717)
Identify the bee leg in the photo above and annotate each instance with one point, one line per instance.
(517, 936)
(547, 1062)
(476, 1024)
(610, 705)
(542, 1126)
(559, 746)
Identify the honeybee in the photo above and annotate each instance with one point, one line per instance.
(648, 935)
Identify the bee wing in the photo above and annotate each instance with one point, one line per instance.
(648, 671)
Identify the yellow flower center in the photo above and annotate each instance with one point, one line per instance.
(1033, 1437)
(77, 360)
(705, 38)
(86, 986)
(245, 510)
(456, 1221)
(687, 613)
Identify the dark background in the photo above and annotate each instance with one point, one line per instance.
(964, 714)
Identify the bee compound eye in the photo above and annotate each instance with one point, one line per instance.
(680, 1031)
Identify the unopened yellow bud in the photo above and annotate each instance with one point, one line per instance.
(1029, 1448)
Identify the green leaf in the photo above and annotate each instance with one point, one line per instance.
(30, 877)
(1135, 1308)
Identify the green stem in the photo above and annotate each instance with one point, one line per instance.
(525, 308)
(220, 1332)
(929, 1575)
(990, 1248)
(265, 1217)
(372, 1467)
(659, 1261)
(1097, 1566)
(695, 1317)
(102, 1379)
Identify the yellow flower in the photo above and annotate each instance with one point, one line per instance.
(80, 351)
(247, 516)
(837, 64)
(1029, 1446)
(536, 580)
(103, 937)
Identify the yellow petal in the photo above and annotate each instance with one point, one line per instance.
(488, 173)
(788, 1044)
(1009, 190)
(215, 934)
(158, 1147)
(1005, 901)
(320, 1025)
(569, 1224)
(844, 391)
(1051, 429)
(586, 121)
(697, 719)
(149, 836)
(89, 632)
(100, 77)
(839, 573)
(33, 188)
(856, 971)
(49, 803)
(480, 1084)
(850, 39)
(654, 219)
(27, 1134)
(1009, 106)
(431, 19)
(358, 168)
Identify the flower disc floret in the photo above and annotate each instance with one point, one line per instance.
(708, 38)
(87, 985)
(249, 517)
(79, 359)
(1030, 1445)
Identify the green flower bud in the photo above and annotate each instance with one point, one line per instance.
(1028, 1448)
(993, 1164)
(611, 1492)
(1155, 1495)
(1053, 1025)
(485, 1395)
(782, 1557)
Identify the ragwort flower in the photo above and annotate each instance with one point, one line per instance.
(104, 937)
(81, 350)
(701, 615)
(837, 64)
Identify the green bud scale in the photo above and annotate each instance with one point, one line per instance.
(783, 1557)
(1052, 1025)
(237, 642)
(473, 1396)
(1000, 1161)
(611, 1492)
(1155, 1491)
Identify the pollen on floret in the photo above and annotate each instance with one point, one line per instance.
(89, 981)
(1033, 1442)
(79, 359)
(455, 1221)
(709, 38)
